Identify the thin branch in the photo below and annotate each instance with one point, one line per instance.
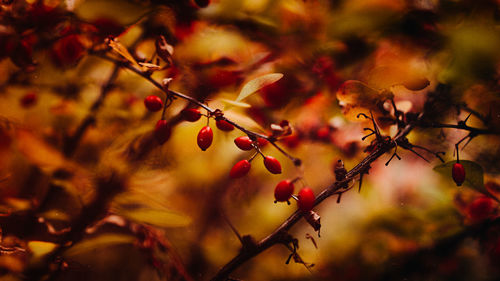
(476, 131)
(279, 234)
(211, 111)
(72, 142)
(473, 112)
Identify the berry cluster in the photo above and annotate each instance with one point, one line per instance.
(205, 137)
(284, 191)
(243, 167)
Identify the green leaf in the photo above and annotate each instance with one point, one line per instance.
(258, 83)
(473, 175)
(163, 218)
(101, 241)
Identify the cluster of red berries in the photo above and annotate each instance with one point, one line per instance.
(284, 191)
(206, 135)
(243, 167)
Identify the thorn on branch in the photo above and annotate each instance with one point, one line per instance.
(394, 154)
(362, 114)
(469, 136)
(367, 129)
(360, 181)
(437, 154)
(309, 236)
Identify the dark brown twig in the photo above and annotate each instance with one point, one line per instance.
(211, 111)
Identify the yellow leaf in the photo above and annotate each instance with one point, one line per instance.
(101, 241)
(258, 83)
(38, 152)
(156, 217)
(150, 65)
(41, 248)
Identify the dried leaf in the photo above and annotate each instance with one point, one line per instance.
(120, 49)
(314, 220)
(258, 83)
(416, 83)
(163, 49)
(150, 66)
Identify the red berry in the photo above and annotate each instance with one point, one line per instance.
(153, 103)
(162, 131)
(306, 199)
(283, 191)
(261, 142)
(272, 164)
(29, 99)
(480, 209)
(243, 143)
(205, 137)
(223, 125)
(458, 173)
(191, 114)
(240, 169)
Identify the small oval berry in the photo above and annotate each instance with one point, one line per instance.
(243, 143)
(240, 169)
(458, 173)
(272, 165)
(205, 137)
(29, 99)
(191, 114)
(153, 103)
(283, 191)
(162, 131)
(306, 199)
(223, 125)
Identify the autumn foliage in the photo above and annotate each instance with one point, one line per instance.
(249, 140)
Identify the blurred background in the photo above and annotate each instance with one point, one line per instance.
(166, 212)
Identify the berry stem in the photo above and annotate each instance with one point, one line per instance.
(72, 142)
(253, 156)
(279, 234)
(211, 111)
